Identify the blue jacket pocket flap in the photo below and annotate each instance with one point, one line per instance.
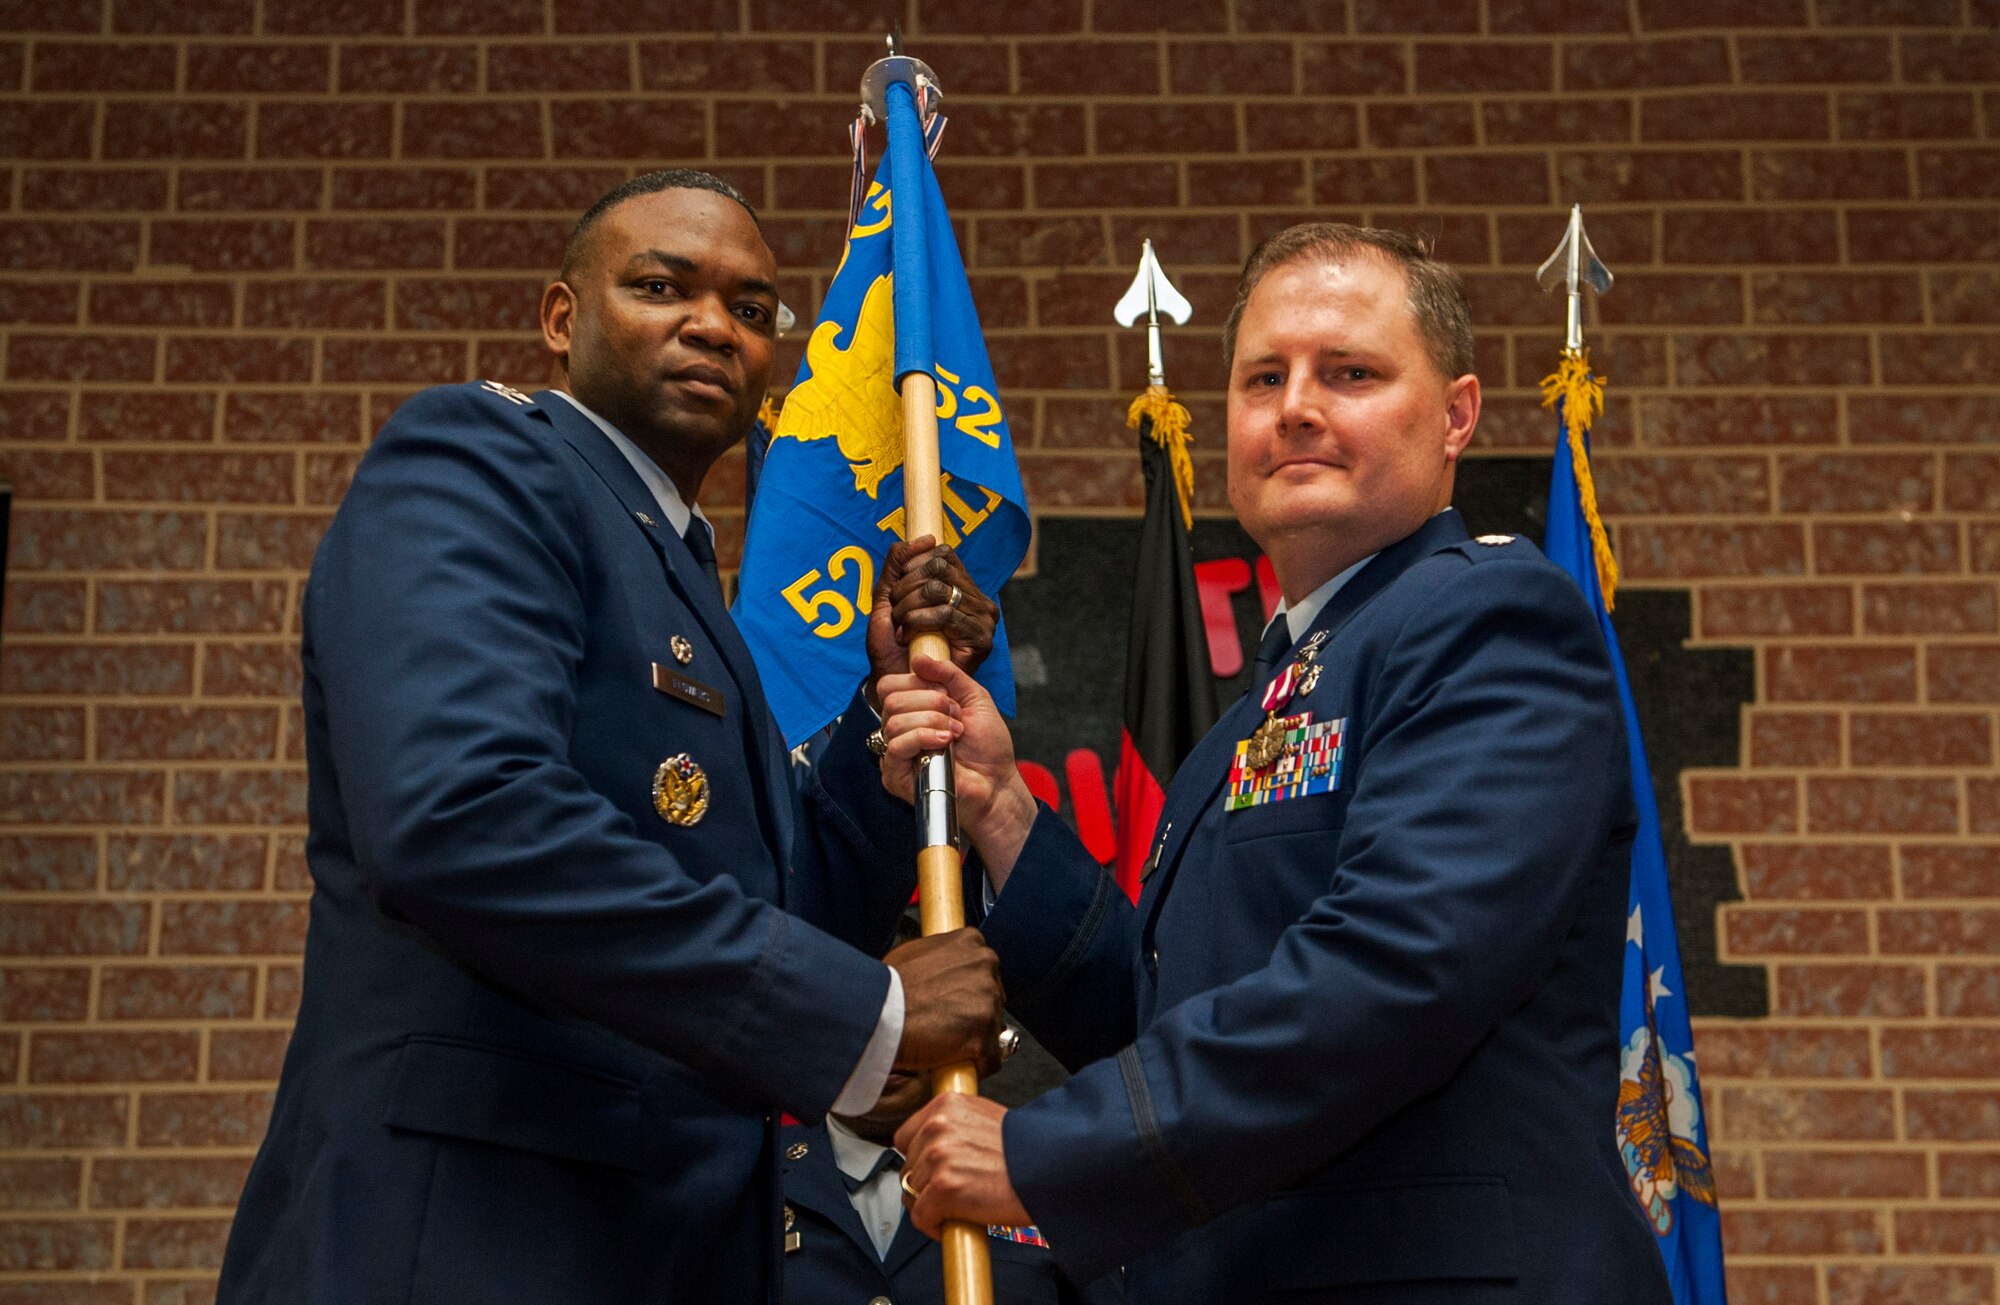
(514, 1098)
(1426, 1229)
(1313, 813)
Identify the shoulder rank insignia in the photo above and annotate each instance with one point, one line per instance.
(507, 392)
(680, 794)
(1494, 541)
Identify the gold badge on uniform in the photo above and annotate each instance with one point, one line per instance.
(791, 1236)
(683, 650)
(680, 790)
(1271, 740)
(797, 1151)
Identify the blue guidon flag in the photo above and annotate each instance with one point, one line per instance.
(830, 492)
(1661, 1130)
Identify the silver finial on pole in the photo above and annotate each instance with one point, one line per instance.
(899, 67)
(1572, 266)
(1152, 294)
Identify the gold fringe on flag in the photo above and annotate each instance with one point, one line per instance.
(1170, 432)
(767, 412)
(1581, 395)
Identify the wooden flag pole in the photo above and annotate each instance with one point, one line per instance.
(968, 1270)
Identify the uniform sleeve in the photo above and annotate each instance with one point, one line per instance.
(854, 864)
(1064, 932)
(1491, 783)
(446, 630)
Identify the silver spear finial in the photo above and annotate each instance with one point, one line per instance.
(1152, 294)
(1573, 265)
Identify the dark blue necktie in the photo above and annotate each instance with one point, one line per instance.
(703, 548)
(1277, 641)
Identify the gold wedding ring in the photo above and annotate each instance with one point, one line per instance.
(957, 597)
(911, 1191)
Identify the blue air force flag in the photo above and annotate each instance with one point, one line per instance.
(830, 491)
(1661, 1130)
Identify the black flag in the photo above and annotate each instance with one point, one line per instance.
(1169, 685)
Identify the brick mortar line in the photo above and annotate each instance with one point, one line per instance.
(81, 1153)
(150, 896)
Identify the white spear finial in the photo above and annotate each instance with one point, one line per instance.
(1152, 294)
(1573, 265)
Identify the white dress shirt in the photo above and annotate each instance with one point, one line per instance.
(864, 1085)
(1299, 619)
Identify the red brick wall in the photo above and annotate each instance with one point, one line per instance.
(236, 231)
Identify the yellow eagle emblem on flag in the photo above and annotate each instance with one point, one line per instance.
(851, 394)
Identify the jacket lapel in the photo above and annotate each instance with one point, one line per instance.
(906, 1246)
(700, 597)
(814, 1182)
(1206, 770)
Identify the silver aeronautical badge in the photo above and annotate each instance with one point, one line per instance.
(507, 392)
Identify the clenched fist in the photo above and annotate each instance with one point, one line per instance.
(952, 1001)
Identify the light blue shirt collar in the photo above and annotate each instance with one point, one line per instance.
(665, 493)
(1300, 619)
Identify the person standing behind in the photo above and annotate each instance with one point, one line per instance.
(848, 1241)
(1358, 1040)
(553, 995)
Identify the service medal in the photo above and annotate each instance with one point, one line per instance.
(1270, 743)
(1266, 744)
(680, 791)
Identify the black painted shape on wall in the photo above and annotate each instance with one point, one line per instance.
(1067, 624)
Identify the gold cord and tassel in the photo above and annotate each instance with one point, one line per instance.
(1581, 395)
(767, 412)
(1170, 432)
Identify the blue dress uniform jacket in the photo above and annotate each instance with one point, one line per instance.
(1359, 1045)
(834, 1262)
(542, 1029)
